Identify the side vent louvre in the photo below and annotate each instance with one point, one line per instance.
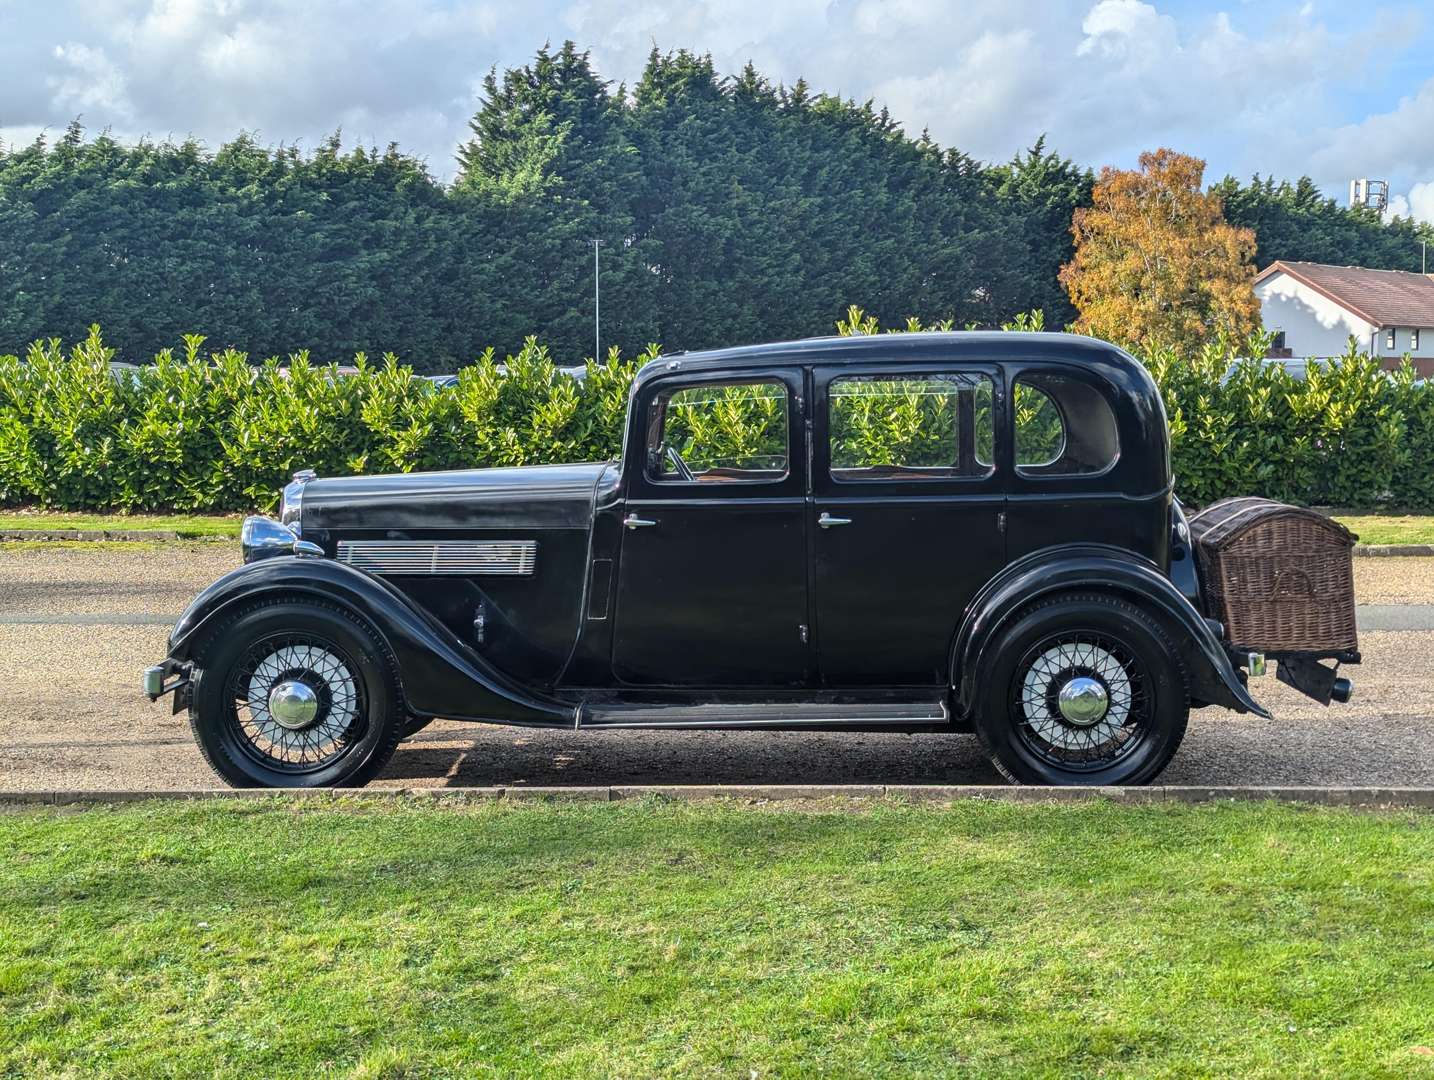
(425, 557)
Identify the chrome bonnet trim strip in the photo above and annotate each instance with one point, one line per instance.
(457, 557)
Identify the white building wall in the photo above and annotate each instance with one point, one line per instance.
(1404, 342)
(1315, 325)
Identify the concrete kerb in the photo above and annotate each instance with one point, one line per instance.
(87, 534)
(1363, 797)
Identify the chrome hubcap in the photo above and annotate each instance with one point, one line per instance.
(1076, 696)
(1083, 701)
(297, 702)
(293, 704)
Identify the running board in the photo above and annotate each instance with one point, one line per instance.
(790, 714)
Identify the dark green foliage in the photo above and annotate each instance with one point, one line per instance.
(1042, 191)
(269, 249)
(730, 210)
(1295, 221)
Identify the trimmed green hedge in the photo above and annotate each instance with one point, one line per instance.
(196, 432)
(1347, 434)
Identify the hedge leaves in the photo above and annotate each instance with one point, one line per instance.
(210, 431)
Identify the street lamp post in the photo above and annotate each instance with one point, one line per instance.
(597, 305)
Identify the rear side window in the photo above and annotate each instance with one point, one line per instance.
(910, 426)
(1064, 427)
(717, 433)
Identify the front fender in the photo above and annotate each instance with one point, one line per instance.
(1096, 568)
(438, 673)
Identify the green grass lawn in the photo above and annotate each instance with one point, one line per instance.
(1390, 528)
(383, 939)
(189, 526)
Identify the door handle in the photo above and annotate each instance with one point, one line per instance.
(826, 521)
(632, 521)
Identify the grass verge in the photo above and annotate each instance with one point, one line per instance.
(403, 940)
(188, 526)
(1390, 528)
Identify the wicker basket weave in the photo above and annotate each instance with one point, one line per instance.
(1280, 578)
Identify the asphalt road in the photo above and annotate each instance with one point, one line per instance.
(77, 625)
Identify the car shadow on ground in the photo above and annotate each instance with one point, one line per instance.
(479, 756)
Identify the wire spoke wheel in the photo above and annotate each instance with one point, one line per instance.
(295, 702)
(1081, 701)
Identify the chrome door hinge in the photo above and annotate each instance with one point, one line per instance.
(1001, 522)
(802, 631)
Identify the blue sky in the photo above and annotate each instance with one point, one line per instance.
(1283, 87)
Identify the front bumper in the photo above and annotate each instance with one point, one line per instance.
(166, 678)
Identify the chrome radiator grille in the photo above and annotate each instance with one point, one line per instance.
(440, 556)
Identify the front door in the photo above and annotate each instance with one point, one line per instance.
(712, 577)
(908, 517)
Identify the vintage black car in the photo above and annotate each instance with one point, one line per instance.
(910, 532)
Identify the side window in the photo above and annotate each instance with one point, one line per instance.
(1064, 427)
(910, 426)
(724, 432)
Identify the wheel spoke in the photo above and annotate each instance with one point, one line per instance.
(1078, 743)
(318, 665)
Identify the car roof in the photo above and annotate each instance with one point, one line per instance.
(907, 347)
(1144, 466)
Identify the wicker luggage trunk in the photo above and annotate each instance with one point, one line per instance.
(1280, 578)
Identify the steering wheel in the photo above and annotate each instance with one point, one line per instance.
(678, 465)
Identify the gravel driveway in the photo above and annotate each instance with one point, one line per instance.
(77, 720)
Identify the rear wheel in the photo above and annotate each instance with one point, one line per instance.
(295, 693)
(1083, 690)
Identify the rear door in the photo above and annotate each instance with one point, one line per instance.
(907, 520)
(712, 577)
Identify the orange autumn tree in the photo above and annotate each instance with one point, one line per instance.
(1155, 261)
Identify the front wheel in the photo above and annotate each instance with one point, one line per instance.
(1083, 690)
(295, 693)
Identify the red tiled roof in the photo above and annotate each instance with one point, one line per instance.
(1381, 297)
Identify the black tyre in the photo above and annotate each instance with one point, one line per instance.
(295, 693)
(1082, 690)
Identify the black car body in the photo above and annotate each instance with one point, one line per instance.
(855, 532)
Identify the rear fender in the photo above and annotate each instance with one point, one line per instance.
(438, 673)
(1088, 568)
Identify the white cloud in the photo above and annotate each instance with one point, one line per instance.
(19, 135)
(1385, 144)
(1265, 87)
(1127, 30)
(1418, 204)
(88, 79)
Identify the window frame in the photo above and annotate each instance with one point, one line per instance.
(1391, 338)
(990, 467)
(1414, 340)
(640, 484)
(1016, 463)
(825, 484)
(1024, 481)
